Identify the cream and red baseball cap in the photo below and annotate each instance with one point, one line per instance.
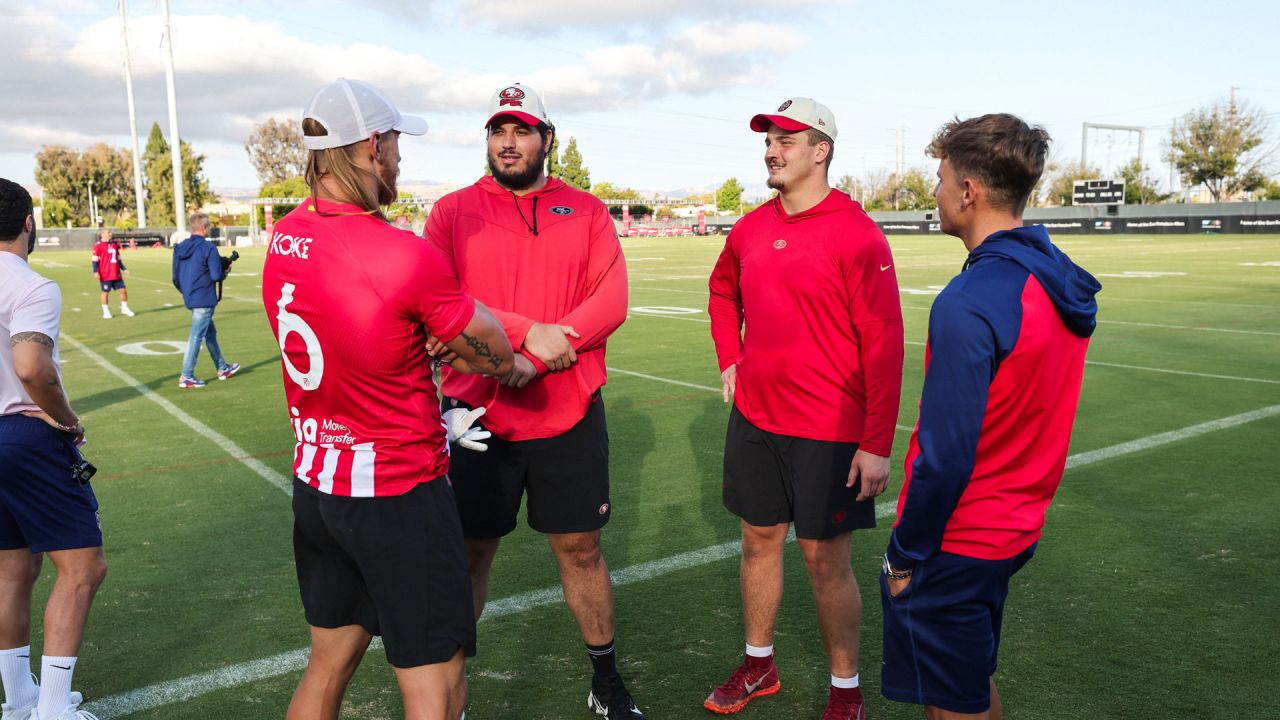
(796, 114)
(351, 111)
(520, 102)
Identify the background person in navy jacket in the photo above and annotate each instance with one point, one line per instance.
(1003, 367)
(197, 268)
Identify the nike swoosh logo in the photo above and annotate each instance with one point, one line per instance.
(60, 667)
(752, 687)
(885, 267)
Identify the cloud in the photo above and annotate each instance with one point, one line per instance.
(517, 16)
(72, 91)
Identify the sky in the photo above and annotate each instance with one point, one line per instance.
(658, 93)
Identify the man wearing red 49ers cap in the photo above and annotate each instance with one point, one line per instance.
(545, 256)
(814, 382)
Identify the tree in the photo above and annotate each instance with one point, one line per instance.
(848, 185)
(554, 167)
(574, 172)
(1270, 190)
(158, 169)
(729, 196)
(293, 187)
(1221, 148)
(913, 190)
(636, 205)
(1139, 186)
(67, 176)
(276, 151)
(1062, 184)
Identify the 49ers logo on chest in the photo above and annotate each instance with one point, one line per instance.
(511, 96)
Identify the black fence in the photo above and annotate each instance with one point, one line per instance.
(1113, 226)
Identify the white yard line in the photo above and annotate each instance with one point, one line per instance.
(1187, 327)
(181, 416)
(1182, 372)
(192, 686)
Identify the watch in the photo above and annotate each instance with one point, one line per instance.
(895, 574)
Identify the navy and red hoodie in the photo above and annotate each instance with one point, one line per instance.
(1003, 368)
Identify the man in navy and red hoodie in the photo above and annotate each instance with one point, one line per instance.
(545, 257)
(815, 382)
(1003, 367)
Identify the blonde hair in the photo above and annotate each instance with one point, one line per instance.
(342, 166)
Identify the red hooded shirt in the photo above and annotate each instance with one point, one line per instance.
(549, 256)
(822, 354)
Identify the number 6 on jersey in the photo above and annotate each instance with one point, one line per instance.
(290, 323)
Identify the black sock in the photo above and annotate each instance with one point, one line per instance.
(603, 659)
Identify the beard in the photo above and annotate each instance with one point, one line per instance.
(519, 177)
(387, 185)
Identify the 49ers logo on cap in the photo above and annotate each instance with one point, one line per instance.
(784, 106)
(511, 96)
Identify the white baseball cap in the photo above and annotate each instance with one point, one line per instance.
(351, 111)
(519, 101)
(796, 114)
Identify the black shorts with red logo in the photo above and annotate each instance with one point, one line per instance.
(771, 479)
(566, 478)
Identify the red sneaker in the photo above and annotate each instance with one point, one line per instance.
(845, 704)
(755, 677)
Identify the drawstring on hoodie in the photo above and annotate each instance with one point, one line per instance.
(534, 227)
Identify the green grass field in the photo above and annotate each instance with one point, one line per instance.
(1154, 593)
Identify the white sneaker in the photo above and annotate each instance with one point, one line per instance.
(125, 311)
(106, 314)
(8, 712)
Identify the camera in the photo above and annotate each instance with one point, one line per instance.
(82, 471)
(226, 261)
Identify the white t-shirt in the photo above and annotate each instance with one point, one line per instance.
(28, 303)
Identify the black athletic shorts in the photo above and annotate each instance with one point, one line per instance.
(566, 477)
(393, 565)
(771, 479)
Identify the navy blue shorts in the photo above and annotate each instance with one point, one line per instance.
(942, 633)
(109, 285)
(42, 507)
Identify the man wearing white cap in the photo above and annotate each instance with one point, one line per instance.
(352, 302)
(545, 256)
(814, 383)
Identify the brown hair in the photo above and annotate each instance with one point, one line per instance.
(341, 163)
(1004, 153)
(816, 136)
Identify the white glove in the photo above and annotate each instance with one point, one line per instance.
(457, 427)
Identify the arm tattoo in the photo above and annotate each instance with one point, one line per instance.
(35, 337)
(482, 350)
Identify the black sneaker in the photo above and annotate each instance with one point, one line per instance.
(611, 699)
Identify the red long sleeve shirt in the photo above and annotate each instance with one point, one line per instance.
(570, 272)
(822, 354)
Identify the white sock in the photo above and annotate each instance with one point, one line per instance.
(15, 671)
(106, 310)
(55, 685)
(759, 652)
(123, 306)
(844, 682)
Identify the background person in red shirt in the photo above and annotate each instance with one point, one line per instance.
(108, 267)
(1003, 367)
(352, 302)
(815, 384)
(545, 256)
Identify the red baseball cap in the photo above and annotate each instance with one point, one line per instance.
(797, 114)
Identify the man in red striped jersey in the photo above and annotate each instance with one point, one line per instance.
(815, 384)
(352, 301)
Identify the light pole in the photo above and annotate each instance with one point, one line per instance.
(179, 202)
